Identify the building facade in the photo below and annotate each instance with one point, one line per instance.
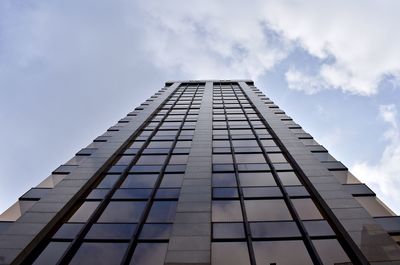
(203, 172)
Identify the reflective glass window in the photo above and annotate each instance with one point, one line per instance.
(140, 181)
(149, 254)
(276, 252)
(306, 209)
(232, 253)
(267, 210)
(162, 212)
(288, 178)
(84, 212)
(256, 179)
(99, 253)
(122, 212)
(330, 251)
(226, 211)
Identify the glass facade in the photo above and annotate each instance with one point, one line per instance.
(209, 177)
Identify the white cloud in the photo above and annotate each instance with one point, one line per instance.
(384, 176)
(306, 83)
(356, 42)
(211, 39)
(357, 39)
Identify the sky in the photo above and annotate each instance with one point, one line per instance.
(71, 69)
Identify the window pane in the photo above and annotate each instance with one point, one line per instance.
(224, 180)
(122, 212)
(171, 181)
(274, 230)
(226, 211)
(84, 212)
(257, 179)
(140, 181)
(68, 231)
(156, 231)
(151, 160)
(222, 159)
(267, 210)
(250, 158)
(225, 193)
(52, 253)
(167, 193)
(108, 181)
(318, 228)
(276, 252)
(232, 253)
(277, 158)
(178, 159)
(111, 231)
(330, 251)
(306, 209)
(99, 253)
(289, 178)
(160, 144)
(162, 212)
(149, 254)
(260, 192)
(132, 194)
(228, 230)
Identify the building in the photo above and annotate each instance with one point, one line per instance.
(203, 172)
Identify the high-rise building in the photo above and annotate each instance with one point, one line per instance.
(203, 172)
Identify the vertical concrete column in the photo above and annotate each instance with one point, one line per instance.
(190, 242)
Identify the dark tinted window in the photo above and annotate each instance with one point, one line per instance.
(149, 254)
(256, 179)
(52, 253)
(228, 230)
(267, 210)
(99, 253)
(111, 231)
(274, 229)
(232, 253)
(330, 251)
(226, 211)
(139, 181)
(122, 212)
(156, 231)
(84, 212)
(162, 212)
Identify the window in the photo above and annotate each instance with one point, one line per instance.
(140, 181)
(84, 212)
(274, 230)
(167, 194)
(132, 194)
(111, 231)
(108, 181)
(149, 254)
(277, 158)
(156, 231)
(122, 212)
(276, 252)
(160, 144)
(318, 228)
(288, 178)
(256, 179)
(267, 210)
(171, 181)
(330, 251)
(52, 253)
(68, 231)
(260, 192)
(250, 158)
(178, 159)
(228, 231)
(225, 193)
(232, 253)
(151, 160)
(99, 253)
(226, 211)
(224, 180)
(222, 159)
(162, 212)
(306, 209)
